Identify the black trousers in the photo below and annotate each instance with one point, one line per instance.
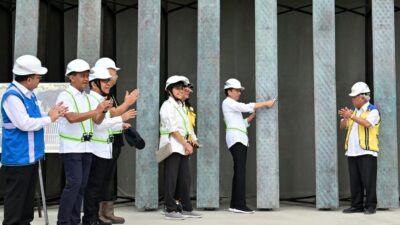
(108, 193)
(92, 197)
(363, 171)
(77, 168)
(177, 182)
(20, 194)
(239, 155)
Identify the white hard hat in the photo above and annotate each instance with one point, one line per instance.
(175, 79)
(359, 88)
(233, 83)
(101, 73)
(106, 63)
(77, 65)
(27, 65)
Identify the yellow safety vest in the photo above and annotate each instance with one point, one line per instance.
(368, 136)
(192, 120)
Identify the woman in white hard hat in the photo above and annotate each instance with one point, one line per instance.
(102, 145)
(106, 209)
(23, 138)
(174, 130)
(362, 147)
(76, 131)
(237, 140)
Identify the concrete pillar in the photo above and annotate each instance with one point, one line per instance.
(208, 103)
(89, 29)
(325, 111)
(383, 40)
(26, 28)
(148, 75)
(267, 119)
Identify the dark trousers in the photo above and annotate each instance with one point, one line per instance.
(239, 155)
(92, 197)
(363, 170)
(76, 167)
(177, 182)
(108, 193)
(20, 194)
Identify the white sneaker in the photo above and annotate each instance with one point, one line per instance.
(174, 216)
(245, 210)
(191, 214)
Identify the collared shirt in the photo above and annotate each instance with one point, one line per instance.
(236, 126)
(103, 150)
(354, 148)
(173, 117)
(65, 127)
(18, 115)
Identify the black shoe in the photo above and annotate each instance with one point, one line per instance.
(96, 222)
(353, 210)
(370, 211)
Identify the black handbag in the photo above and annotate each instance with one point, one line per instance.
(134, 139)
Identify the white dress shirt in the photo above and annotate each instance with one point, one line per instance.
(65, 127)
(16, 111)
(354, 148)
(233, 117)
(173, 117)
(103, 150)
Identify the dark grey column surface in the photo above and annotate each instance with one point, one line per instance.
(384, 68)
(325, 111)
(208, 103)
(89, 28)
(267, 119)
(26, 28)
(148, 70)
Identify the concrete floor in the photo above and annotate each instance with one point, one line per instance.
(287, 214)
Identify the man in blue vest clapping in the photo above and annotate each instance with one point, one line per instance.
(23, 138)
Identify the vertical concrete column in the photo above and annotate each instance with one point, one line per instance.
(325, 111)
(89, 29)
(26, 27)
(383, 40)
(267, 120)
(148, 75)
(208, 103)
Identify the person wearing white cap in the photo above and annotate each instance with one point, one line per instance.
(237, 140)
(101, 142)
(76, 131)
(106, 209)
(174, 131)
(23, 138)
(362, 147)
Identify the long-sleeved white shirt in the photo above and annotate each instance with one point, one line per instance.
(16, 111)
(173, 117)
(103, 150)
(236, 126)
(354, 148)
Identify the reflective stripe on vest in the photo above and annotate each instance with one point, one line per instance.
(77, 138)
(110, 138)
(234, 128)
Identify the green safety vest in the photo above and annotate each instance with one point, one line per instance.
(185, 121)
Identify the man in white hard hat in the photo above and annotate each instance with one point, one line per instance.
(237, 140)
(23, 138)
(106, 209)
(76, 131)
(102, 145)
(362, 146)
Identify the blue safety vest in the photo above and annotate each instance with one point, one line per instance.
(21, 147)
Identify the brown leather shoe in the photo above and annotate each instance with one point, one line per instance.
(108, 213)
(101, 214)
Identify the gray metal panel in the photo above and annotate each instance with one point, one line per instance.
(385, 98)
(89, 28)
(26, 28)
(148, 70)
(208, 103)
(267, 119)
(325, 104)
